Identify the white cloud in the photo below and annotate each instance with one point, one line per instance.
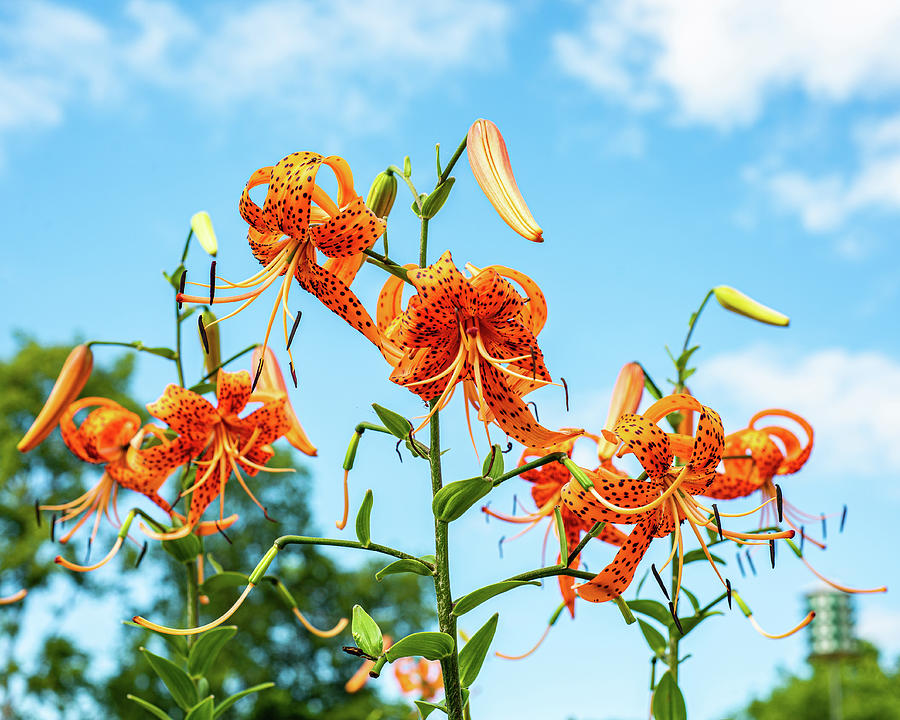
(826, 202)
(852, 400)
(718, 62)
(881, 626)
(354, 60)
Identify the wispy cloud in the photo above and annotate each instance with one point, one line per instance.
(717, 63)
(852, 399)
(353, 58)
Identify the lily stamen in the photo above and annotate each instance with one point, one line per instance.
(197, 630)
(60, 560)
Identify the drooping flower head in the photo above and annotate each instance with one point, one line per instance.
(226, 442)
(476, 330)
(297, 220)
(113, 437)
(658, 505)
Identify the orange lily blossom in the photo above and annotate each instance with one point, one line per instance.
(112, 436)
(753, 459)
(229, 443)
(297, 220)
(477, 330)
(419, 677)
(657, 506)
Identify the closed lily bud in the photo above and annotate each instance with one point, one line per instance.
(201, 224)
(72, 378)
(271, 382)
(382, 194)
(209, 336)
(626, 397)
(493, 172)
(734, 300)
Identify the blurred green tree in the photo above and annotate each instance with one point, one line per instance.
(56, 679)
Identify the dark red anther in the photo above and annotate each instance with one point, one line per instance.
(566, 388)
(772, 552)
(500, 545)
(397, 449)
(728, 591)
(37, 512)
(222, 531)
(181, 283)
(740, 564)
(843, 519)
(662, 585)
(824, 527)
(53, 528)
(141, 555)
(750, 562)
(294, 329)
(718, 521)
(212, 281)
(508, 447)
(87, 555)
(675, 617)
(293, 373)
(532, 402)
(779, 503)
(203, 336)
(258, 373)
(802, 538)
(356, 652)
(269, 517)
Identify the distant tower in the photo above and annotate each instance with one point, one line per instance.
(832, 631)
(831, 638)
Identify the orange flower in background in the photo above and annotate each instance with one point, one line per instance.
(229, 443)
(419, 677)
(71, 380)
(626, 398)
(297, 220)
(490, 164)
(477, 330)
(656, 506)
(112, 436)
(271, 386)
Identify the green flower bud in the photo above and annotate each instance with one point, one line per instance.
(735, 301)
(201, 224)
(382, 194)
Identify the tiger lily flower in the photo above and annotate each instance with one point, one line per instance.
(419, 677)
(112, 436)
(71, 380)
(228, 443)
(656, 506)
(753, 461)
(493, 173)
(270, 386)
(297, 220)
(476, 330)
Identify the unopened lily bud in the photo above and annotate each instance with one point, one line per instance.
(493, 173)
(74, 374)
(626, 397)
(382, 194)
(201, 224)
(213, 357)
(272, 381)
(734, 300)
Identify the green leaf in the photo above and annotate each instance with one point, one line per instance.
(165, 352)
(435, 201)
(175, 277)
(366, 633)
(654, 638)
(223, 581)
(203, 388)
(668, 702)
(404, 566)
(689, 623)
(476, 597)
(693, 598)
(654, 609)
(149, 707)
(452, 500)
(698, 554)
(493, 463)
(399, 426)
(202, 710)
(207, 647)
(429, 645)
(176, 680)
(683, 359)
(362, 519)
(232, 699)
(216, 565)
(426, 708)
(472, 656)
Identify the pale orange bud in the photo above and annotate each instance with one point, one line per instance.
(626, 397)
(271, 382)
(493, 173)
(72, 378)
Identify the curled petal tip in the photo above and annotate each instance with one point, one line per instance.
(490, 164)
(71, 380)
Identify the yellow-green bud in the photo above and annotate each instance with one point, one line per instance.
(213, 358)
(735, 301)
(382, 194)
(203, 231)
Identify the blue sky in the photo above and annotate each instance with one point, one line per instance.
(664, 148)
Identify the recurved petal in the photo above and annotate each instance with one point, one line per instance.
(495, 299)
(617, 576)
(271, 381)
(534, 312)
(649, 444)
(292, 189)
(349, 232)
(728, 486)
(250, 211)
(797, 454)
(493, 173)
(623, 492)
(186, 412)
(442, 284)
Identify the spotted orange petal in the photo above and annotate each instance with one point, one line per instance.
(615, 577)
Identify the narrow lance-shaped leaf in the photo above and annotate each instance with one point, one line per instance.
(207, 647)
(668, 702)
(232, 699)
(476, 597)
(150, 707)
(363, 518)
(405, 566)
(452, 500)
(429, 645)
(472, 656)
(202, 710)
(175, 679)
